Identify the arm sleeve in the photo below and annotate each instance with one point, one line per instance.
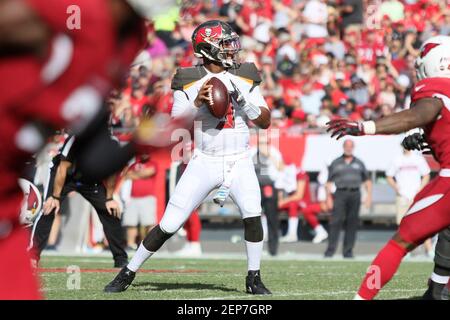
(182, 106)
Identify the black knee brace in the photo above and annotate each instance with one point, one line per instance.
(253, 231)
(442, 254)
(155, 239)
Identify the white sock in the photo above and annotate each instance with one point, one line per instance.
(254, 252)
(319, 229)
(140, 256)
(439, 279)
(358, 297)
(264, 225)
(292, 226)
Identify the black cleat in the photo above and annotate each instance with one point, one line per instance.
(121, 282)
(254, 285)
(436, 291)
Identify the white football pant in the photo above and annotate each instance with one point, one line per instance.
(205, 173)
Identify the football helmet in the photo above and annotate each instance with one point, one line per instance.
(31, 204)
(216, 41)
(434, 58)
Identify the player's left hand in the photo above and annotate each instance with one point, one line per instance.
(237, 95)
(113, 208)
(344, 127)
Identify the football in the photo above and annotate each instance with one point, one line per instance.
(220, 98)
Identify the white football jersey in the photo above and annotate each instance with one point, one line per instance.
(226, 136)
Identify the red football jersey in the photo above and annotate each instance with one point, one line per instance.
(437, 132)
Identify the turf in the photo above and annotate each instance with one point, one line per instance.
(224, 279)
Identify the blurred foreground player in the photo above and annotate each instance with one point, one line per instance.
(54, 73)
(429, 213)
(221, 157)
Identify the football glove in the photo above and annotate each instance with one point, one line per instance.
(343, 127)
(416, 141)
(253, 112)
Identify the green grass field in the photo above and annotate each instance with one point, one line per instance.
(224, 279)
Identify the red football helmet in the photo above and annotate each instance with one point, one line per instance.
(216, 41)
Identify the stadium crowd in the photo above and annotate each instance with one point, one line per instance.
(319, 59)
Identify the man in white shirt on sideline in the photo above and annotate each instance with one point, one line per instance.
(408, 174)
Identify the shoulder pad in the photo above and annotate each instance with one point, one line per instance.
(248, 71)
(184, 77)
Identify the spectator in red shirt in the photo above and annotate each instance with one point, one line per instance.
(140, 208)
(292, 88)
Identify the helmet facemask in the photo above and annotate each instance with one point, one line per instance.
(229, 48)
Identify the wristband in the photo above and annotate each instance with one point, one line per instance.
(56, 198)
(252, 111)
(109, 199)
(369, 127)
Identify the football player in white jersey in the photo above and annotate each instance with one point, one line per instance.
(221, 157)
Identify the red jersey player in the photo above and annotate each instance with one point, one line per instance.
(430, 110)
(55, 70)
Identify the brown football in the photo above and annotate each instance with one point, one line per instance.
(220, 98)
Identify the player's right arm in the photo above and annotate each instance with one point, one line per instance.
(421, 113)
(185, 80)
(183, 107)
(53, 202)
